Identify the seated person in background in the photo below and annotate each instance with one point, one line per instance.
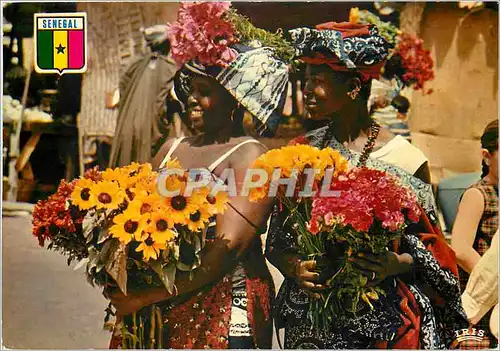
(399, 126)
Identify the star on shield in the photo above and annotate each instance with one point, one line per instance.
(60, 49)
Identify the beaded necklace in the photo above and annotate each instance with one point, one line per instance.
(368, 147)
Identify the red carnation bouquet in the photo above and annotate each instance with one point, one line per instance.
(367, 211)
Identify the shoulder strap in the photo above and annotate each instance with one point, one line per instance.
(228, 153)
(174, 146)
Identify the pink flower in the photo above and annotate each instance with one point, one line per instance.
(202, 32)
(366, 196)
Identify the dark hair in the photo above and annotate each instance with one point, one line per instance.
(489, 141)
(238, 115)
(393, 67)
(401, 104)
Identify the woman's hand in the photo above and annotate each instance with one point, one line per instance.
(306, 276)
(127, 304)
(378, 267)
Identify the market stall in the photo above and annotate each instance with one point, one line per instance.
(39, 126)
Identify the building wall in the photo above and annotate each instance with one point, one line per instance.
(447, 124)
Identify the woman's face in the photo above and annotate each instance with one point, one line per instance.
(208, 103)
(325, 92)
(491, 159)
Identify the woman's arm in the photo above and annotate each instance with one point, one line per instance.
(469, 215)
(234, 235)
(378, 267)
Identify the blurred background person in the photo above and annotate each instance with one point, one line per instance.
(477, 217)
(143, 116)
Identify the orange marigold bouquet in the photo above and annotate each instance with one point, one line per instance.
(117, 224)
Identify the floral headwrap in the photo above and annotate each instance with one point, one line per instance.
(211, 39)
(343, 47)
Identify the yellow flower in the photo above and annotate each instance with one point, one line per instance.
(127, 226)
(354, 15)
(81, 194)
(147, 183)
(218, 202)
(198, 219)
(257, 194)
(112, 175)
(136, 171)
(174, 182)
(150, 248)
(107, 195)
(132, 169)
(159, 228)
(337, 161)
(178, 208)
(173, 164)
(146, 203)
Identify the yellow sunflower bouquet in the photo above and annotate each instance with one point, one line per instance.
(306, 166)
(126, 232)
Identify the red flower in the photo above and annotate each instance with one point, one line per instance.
(52, 213)
(416, 60)
(300, 140)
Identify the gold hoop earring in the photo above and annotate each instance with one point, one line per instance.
(238, 106)
(353, 94)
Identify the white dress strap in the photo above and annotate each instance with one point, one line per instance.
(174, 146)
(228, 153)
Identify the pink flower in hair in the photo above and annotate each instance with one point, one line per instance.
(202, 32)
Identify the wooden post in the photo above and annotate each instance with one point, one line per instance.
(15, 143)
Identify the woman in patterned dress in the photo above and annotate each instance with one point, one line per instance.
(422, 308)
(225, 303)
(477, 218)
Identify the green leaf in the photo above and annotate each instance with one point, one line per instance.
(90, 280)
(103, 235)
(166, 273)
(81, 263)
(93, 258)
(184, 267)
(90, 221)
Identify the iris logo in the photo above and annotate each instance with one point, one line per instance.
(471, 334)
